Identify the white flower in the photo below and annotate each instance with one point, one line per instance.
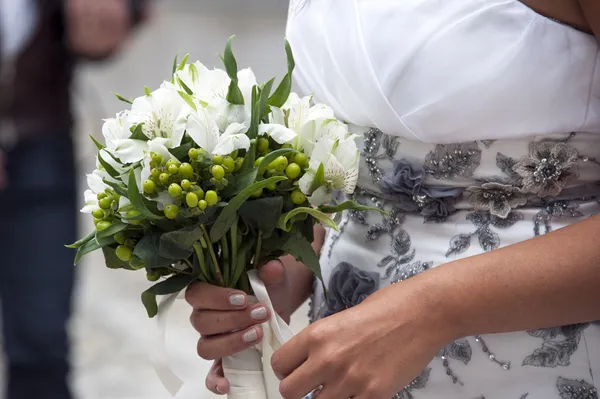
(340, 160)
(96, 185)
(163, 114)
(205, 132)
(314, 130)
(117, 133)
(276, 129)
(301, 112)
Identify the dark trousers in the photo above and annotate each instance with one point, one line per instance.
(38, 216)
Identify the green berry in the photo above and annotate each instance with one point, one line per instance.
(171, 211)
(98, 213)
(173, 169)
(199, 193)
(120, 237)
(217, 160)
(258, 161)
(293, 171)
(157, 158)
(234, 154)
(262, 145)
(193, 153)
(272, 186)
(211, 197)
(301, 159)
(175, 190)
(186, 171)
(202, 204)
(130, 242)
(124, 253)
(298, 197)
(103, 225)
(281, 163)
(257, 193)
(101, 195)
(105, 203)
(229, 164)
(153, 276)
(155, 173)
(186, 184)
(191, 200)
(238, 163)
(149, 186)
(218, 172)
(172, 162)
(136, 263)
(163, 178)
(132, 216)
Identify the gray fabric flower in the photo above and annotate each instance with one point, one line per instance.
(405, 184)
(498, 199)
(448, 161)
(548, 169)
(349, 286)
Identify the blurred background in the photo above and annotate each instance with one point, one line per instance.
(111, 334)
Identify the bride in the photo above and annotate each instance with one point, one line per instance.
(480, 127)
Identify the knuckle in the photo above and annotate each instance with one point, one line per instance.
(190, 293)
(204, 350)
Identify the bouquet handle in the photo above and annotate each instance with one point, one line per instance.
(249, 372)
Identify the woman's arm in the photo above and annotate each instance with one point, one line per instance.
(591, 11)
(549, 281)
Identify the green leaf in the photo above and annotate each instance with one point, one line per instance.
(286, 221)
(182, 151)
(138, 201)
(249, 158)
(111, 230)
(119, 188)
(183, 62)
(112, 262)
(301, 249)
(174, 69)
(105, 241)
(147, 91)
(107, 167)
(85, 249)
(319, 178)
(98, 144)
(188, 99)
(147, 249)
(258, 108)
(179, 244)
(228, 214)
(262, 214)
(170, 286)
(234, 94)
(185, 87)
(82, 241)
(137, 133)
(284, 89)
(349, 205)
(121, 98)
(229, 60)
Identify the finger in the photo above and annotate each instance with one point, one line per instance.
(301, 382)
(290, 356)
(272, 273)
(335, 391)
(210, 297)
(211, 322)
(216, 346)
(215, 380)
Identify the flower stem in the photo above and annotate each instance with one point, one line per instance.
(225, 259)
(213, 257)
(234, 248)
(200, 254)
(258, 250)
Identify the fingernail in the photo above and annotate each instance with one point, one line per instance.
(259, 313)
(250, 335)
(237, 300)
(219, 390)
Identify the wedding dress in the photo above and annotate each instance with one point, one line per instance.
(480, 128)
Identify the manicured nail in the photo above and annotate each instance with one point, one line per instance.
(250, 335)
(219, 390)
(237, 300)
(259, 313)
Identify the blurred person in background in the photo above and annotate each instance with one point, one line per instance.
(41, 40)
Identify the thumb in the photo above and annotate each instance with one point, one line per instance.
(272, 273)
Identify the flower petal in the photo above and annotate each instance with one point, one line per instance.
(130, 151)
(203, 130)
(279, 133)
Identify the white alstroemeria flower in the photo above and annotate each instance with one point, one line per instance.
(340, 159)
(276, 129)
(163, 114)
(314, 130)
(96, 185)
(205, 132)
(117, 133)
(300, 111)
(155, 146)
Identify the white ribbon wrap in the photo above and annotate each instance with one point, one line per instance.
(249, 372)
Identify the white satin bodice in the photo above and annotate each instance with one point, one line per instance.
(443, 71)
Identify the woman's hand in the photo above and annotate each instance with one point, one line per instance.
(370, 351)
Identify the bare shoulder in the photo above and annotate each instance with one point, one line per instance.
(591, 12)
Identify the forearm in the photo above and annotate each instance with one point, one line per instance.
(548, 281)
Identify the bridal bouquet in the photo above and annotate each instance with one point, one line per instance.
(211, 175)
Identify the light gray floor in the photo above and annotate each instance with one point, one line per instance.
(111, 333)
